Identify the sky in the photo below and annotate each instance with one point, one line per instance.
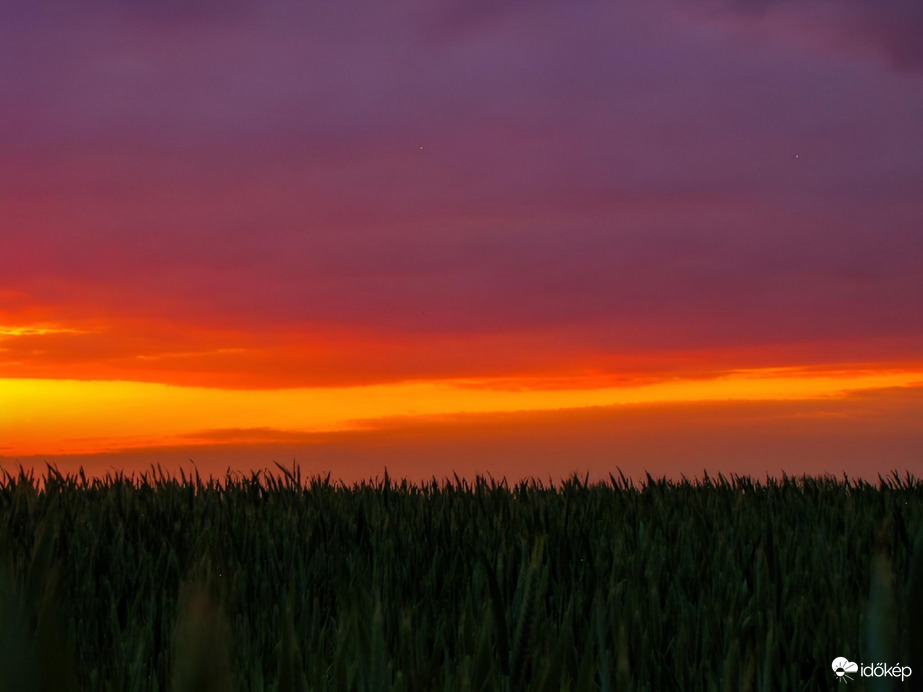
(524, 239)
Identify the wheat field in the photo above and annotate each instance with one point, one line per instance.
(274, 582)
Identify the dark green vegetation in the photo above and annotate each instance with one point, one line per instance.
(269, 583)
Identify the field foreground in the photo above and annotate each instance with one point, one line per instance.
(271, 583)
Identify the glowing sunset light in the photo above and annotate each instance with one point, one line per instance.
(30, 331)
(435, 236)
(93, 416)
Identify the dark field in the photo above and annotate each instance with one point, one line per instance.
(269, 583)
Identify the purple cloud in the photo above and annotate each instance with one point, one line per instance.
(615, 172)
(891, 28)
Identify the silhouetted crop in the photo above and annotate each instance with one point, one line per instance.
(271, 583)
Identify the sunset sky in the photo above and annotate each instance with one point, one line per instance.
(523, 238)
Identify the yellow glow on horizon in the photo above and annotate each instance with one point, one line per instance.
(6, 330)
(72, 417)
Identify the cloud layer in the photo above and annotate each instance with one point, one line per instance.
(255, 194)
(891, 29)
